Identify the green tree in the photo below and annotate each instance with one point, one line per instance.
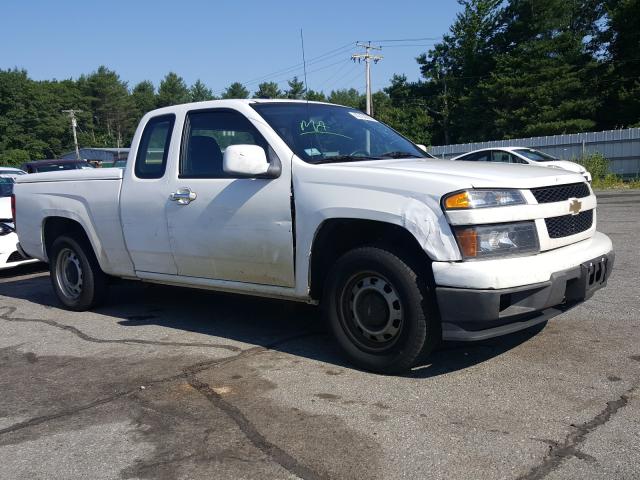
(144, 99)
(621, 77)
(32, 125)
(172, 91)
(296, 89)
(53, 127)
(408, 118)
(199, 92)
(453, 69)
(542, 81)
(14, 158)
(347, 97)
(268, 90)
(236, 90)
(314, 96)
(110, 104)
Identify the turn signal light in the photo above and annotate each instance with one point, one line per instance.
(459, 200)
(468, 242)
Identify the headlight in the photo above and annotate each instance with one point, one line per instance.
(483, 241)
(482, 199)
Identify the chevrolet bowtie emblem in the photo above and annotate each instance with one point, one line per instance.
(575, 206)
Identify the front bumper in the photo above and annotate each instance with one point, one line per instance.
(470, 314)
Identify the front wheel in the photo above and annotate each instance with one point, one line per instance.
(76, 276)
(380, 310)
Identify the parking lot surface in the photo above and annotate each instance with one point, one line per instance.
(172, 383)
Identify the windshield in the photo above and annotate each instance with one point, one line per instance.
(12, 172)
(319, 133)
(535, 155)
(6, 187)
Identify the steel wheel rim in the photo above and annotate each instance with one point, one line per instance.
(69, 275)
(371, 311)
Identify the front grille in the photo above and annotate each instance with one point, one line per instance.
(558, 193)
(566, 225)
(15, 257)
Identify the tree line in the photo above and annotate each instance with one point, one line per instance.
(505, 69)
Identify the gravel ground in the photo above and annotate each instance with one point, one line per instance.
(172, 383)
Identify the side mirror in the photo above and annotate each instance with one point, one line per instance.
(245, 160)
(421, 147)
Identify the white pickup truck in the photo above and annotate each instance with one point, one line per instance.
(319, 203)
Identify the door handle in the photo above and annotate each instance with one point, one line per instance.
(184, 196)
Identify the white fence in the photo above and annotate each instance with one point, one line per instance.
(621, 147)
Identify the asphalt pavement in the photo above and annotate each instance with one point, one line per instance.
(171, 383)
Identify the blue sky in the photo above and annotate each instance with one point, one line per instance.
(219, 41)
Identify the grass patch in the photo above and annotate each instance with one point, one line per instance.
(598, 166)
(611, 181)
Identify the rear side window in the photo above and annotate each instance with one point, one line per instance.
(477, 157)
(501, 156)
(151, 160)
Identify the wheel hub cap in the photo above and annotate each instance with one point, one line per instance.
(69, 273)
(375, 308)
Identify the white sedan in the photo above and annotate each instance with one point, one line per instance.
(11, 172)
(9, 254)
(523, 155)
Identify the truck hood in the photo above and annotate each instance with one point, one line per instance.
(461, 174)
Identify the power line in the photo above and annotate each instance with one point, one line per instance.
(410, 45)
(332, 79)
(297, 66)
(298, 69)
(424, 39)
(320, 60)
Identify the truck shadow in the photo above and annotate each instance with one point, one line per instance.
(288, 327)
(263, 322)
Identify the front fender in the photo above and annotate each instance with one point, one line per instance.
(420, 216)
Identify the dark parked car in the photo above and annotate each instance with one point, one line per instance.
(55, 165)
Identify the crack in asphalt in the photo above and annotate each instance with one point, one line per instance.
(64, 413)
(188, 373)
(559, 452)
(258, 440)
(7, 316)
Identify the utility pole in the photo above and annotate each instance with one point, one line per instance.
(367, 57)
(74, 125)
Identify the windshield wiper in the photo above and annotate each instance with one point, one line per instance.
(399, 155)
(345, 158)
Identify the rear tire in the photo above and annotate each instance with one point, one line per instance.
(380, 309)
(76, 276)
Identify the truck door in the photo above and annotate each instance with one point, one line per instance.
(226, 228)
(143, 199)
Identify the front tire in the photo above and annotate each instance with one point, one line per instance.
(380, 309)
(77, 279)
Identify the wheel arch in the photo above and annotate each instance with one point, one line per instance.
(336, 236)
(56, 226)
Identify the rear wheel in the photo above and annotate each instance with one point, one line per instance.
(76, 276)
(380, 309)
